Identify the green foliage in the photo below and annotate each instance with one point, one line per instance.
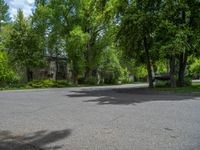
(124, 76)
(151, 31)
(195, 69)
(4, 16)
(41, 23)
(7, 75)
(135, 68)
(95, 36)
(23, 43)
(86, 29)
(137, 32)
(137, 23)
(110, 67)
(4, 36)
(187, 81)
(48, 84)
(140, 72)
(176, 36)
(75, 49)
(161, 67)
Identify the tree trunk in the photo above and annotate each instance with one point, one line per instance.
(182, 60)
(89, 54)
(182, 66)
(29, 74)
(155, 69)
(173, 71)
(75, 78)
(88, 74)
(56, 75)
(148, 63)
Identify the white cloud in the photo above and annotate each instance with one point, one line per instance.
(30, 2)
(25, 5)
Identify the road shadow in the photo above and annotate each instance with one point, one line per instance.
(32, 141)
(128, 96)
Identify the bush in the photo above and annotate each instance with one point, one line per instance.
(48, 83)
(195, 69)
(124, 76)
(7, 75)
(61, 83)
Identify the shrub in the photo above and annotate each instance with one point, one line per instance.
(7, 75)
(124, 76)
(48, 83)
(61, 83)
(195, 69)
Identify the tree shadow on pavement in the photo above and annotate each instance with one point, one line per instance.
(128, 96)
(32, 141)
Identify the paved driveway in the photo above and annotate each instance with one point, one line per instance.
(103, 118)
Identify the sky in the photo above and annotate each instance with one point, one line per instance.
(25, 5)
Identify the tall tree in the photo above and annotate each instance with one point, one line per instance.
(136, 31)
(180, 25)
(23, 45)
(76, 43)
(95, 18)
(4, 15)
(190, 15)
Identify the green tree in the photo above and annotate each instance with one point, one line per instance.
(4, 18)
(77, 41)
(95, 19)
(23, 45)
(4, 15)
(110, 67)
(180, 25)
(136, 31)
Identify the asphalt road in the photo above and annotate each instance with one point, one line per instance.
(99, 118)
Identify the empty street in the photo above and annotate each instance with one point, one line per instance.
(99, 118)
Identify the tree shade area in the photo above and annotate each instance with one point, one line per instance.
(101, 42)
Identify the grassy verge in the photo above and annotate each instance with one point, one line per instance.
(43, 84)
(195, 87)
(37, 84)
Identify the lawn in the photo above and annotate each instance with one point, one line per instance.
(195, 87)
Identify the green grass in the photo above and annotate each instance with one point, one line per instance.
(195, 87)
(37, 84)
(43, 84)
